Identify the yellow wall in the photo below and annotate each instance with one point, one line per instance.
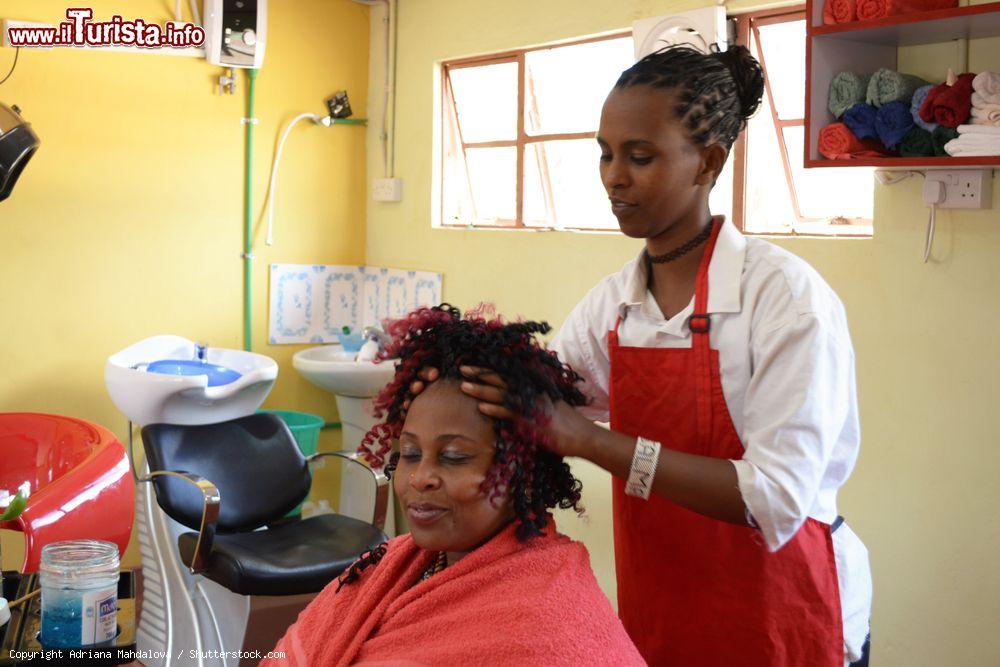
(128, 222)
(925, 491)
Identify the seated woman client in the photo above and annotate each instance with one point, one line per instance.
(483, 578)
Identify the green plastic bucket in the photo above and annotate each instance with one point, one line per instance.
(305, 429)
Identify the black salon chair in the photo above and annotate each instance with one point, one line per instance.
(229, 480)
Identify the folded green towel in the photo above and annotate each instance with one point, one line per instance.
(917, 143)
(888, 85)
(846, 90)
(940, 136)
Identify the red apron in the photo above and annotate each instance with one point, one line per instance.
(694, 590)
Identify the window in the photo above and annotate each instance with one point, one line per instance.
(518, 147)
(518, 135)
(799, 201)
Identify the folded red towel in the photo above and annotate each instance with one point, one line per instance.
(506, 603)
(840, 11)
(949, 105)
(876, 9)
(837, 142)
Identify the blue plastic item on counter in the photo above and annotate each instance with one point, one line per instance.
(217, 375)
(351, 342)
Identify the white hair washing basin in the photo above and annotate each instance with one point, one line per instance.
(172, 380)
(329, 367)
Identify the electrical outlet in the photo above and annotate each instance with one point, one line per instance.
(387, 189)
(964, 188)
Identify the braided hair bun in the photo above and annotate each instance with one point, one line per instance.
(716, 92)
(747, 75)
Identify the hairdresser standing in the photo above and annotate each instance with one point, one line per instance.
(726, 368)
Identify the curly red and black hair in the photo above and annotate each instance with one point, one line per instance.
(535, 478)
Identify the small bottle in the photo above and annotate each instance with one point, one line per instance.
(79, 580)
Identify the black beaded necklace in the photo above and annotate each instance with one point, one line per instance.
(439, 563)
(682, 250)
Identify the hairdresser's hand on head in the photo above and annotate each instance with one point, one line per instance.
(427, 375)
(568, 429)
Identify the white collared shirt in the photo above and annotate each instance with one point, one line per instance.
(787, 368)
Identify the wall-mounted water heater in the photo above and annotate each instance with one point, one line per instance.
(235, 32)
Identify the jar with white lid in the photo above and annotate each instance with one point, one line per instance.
(79, 582)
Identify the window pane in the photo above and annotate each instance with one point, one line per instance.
(486, 98)
(492, 177)
(784, 47)
(565, 86)
(827, 198)
(768, 204)
(828, 193)
(562, 186)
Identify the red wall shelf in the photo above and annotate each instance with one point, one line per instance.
(931, 27)
(865, 46)
(909, 162)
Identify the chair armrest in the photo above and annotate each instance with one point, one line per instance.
(379, 477)
(209, 514)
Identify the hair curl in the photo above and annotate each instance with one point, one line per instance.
(718, 91)
(523, 467)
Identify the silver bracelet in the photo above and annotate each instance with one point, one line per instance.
(640, 477)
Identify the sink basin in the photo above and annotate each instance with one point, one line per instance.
(159, 380)
(330, 367)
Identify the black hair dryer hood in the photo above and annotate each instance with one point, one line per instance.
(17, 144)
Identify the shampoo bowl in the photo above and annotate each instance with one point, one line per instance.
(165, 397)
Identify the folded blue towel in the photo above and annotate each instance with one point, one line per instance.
(860, 119)
(919, 95)
(892, 122)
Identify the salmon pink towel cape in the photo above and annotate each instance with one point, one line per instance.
(506, 603)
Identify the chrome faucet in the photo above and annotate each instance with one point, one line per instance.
(376, 334)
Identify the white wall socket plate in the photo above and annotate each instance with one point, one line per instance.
(964, 188)
(387, 189)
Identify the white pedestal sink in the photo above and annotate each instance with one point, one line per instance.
(354, 384)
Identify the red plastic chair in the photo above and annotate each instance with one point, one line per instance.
(81, 485)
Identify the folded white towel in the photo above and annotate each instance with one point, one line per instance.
(980, 100)
(979, 139)
(971, 148)
(987, 83)
(989, 115)
(973, 152)
(991, 132)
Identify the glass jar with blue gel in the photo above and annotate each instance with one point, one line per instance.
(79, 581)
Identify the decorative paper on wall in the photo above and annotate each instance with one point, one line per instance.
(312, 303)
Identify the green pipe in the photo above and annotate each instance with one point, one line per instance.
(331, 425)
(350, 121)
(248, 214)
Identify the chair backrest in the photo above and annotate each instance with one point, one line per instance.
(254, 461)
